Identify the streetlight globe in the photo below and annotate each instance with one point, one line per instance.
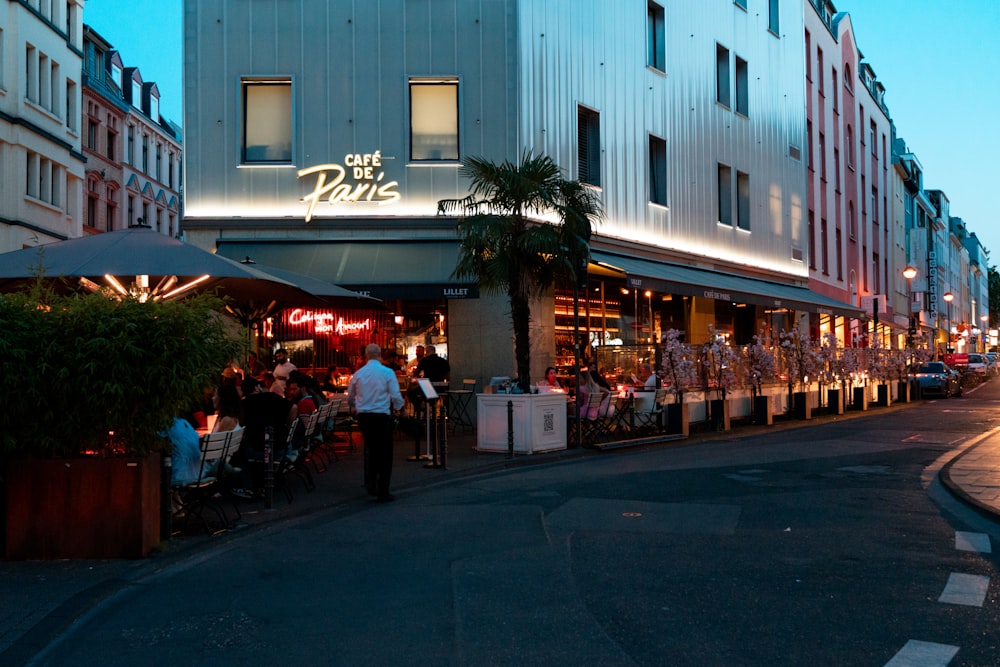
(909, 273)
(948, 297)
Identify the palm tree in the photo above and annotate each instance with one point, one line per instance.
(506, 246)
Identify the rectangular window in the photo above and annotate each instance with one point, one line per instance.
(112, 139)
(136, 94)
(836, 168)
(725, 195)
(819, 71)
(874, 206)
(159, 162)
(824, 242)
(873, 138)
(809, 59)
(31, 72)
(589, 145)
(154, 108)
(92, 128)
(145, 154)
(822, 156)
(809, 139)
(742, 87)
(267, 122)
(834, 87)
(130, 211)
(72, 115)
(877, 270)
(92, 211)
(722, 75)
(743, 200)
(840, 255)
(130, 147)
(657, 170)
(772, 16)
(812, 240)
(434, 120)
(656, 54)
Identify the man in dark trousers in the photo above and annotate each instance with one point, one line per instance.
(262, 409)
(373, 396)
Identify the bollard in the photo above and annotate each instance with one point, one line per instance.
(444, 439)
(510, 429)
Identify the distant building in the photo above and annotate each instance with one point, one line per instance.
(133, 154)
(40, 156)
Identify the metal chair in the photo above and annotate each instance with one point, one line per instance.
(459, 401)
(196, 495)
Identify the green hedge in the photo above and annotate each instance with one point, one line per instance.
(77, 368)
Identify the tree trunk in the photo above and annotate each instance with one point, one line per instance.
(520, 314)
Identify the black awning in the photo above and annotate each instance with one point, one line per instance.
(382, 269)
(692, 281)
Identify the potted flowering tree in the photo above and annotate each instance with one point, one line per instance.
(800, 363)
(880, 369)
(718, 364)
(679, 372)
(761, 367)
(832, 373)
(855, 360)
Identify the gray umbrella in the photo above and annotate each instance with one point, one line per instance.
(149, 265)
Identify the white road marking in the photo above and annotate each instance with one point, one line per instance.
(923, 654)
(979, 542)
(965, 589)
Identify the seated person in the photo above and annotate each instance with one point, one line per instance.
(588, 387)
(262, 411)
(550, 383)
(649, 379)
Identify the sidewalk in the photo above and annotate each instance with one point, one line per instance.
(39, 600)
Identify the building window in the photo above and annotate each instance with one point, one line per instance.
(809, 139)
(434, 119)
(834, 87)
(657, 170)
(43, 179)
(92, 210)
(812, 240)
(170, 170)
(92, 129)
(130, 146)
(267, 122)
(116, 74)
(72, 115)
(742, 87)
(850, 146)
(130, 211)
(825, 245)
(873, 138)
(822, 156)
(840, 255)
(137, 94)
(725, 195)
(743, 200)
(877, 271)
(588, 140)
(154, 108)
(159, 161)
(851, 227)
(836, 168)
(112, 139)
(772, 16)
(656, 49)
(809, 59)
(145, 153)
(819, 72)
(874, 206)
(847, 76)
(722, 75)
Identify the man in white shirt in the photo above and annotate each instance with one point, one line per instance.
(373, 396)
(282, 371)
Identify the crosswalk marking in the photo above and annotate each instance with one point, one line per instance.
(979, 542)
(965, 589)
(923, 654)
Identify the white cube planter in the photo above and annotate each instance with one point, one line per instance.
(539, 422)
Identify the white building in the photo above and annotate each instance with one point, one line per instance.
(40, 158)
(319, 137)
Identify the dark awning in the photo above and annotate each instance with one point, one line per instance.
(382, 269)
(677, 279)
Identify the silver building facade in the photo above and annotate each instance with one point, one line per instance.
(319, 136)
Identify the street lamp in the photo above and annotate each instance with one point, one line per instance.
(910, 273)
(948, 297)
(985, 319)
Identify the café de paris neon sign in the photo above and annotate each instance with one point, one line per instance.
(368, 184)
(324, 323)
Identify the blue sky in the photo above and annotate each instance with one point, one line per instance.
(937, 60)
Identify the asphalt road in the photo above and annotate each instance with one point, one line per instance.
(828, 545)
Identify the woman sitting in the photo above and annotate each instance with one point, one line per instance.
(551, 383)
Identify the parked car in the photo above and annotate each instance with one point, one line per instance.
(937, 378)
(978, 363)
(994, 363)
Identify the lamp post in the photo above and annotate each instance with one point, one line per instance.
(910, 273)
(985, 319)
(948, 298)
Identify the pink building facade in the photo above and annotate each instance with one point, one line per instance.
(850, 230)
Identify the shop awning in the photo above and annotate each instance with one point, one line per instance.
(382, 269)
(692, 281)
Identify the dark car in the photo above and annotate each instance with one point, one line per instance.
(937, 378)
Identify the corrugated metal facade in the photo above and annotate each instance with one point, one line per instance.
(523, 67)
(593, 52)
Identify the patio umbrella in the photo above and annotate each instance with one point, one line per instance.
(148, 265)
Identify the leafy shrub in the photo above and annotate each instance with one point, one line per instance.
(85, 374)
